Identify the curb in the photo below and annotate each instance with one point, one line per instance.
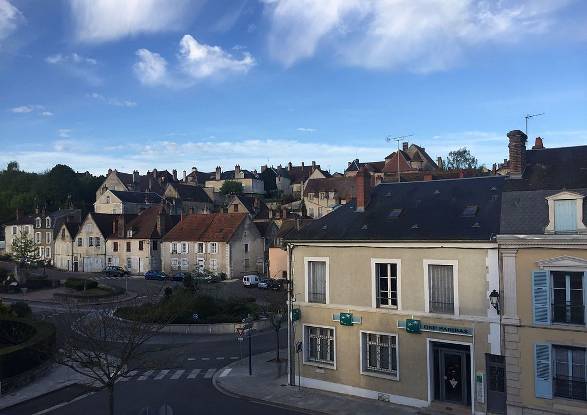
(235, 395)
(132, 296)
(3, 408)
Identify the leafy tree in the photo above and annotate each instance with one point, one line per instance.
(24, 250)
(12, 166)
(231, 187)
(461, 159)
(278, 312)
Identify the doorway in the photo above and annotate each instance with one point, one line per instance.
(496, 390)
(452, 373)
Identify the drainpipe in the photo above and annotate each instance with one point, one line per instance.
(290, 333)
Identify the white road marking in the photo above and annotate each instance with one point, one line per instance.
(191, 358)
(194, 373)
(234, 358)
(220, 358)
(127, 377)
(177, 374)
(205, 358)
(209, 373)
(146, 375)
(225, 372)
(162, 374)
(46, 411)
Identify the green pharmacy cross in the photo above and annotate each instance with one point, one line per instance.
(346, 319)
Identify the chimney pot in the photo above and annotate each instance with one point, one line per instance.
(264, 167)
(174, 174)
(185, 176)
(517, 150)
(405, 146)
(538, 144)
(218, 172)
(289, 166)
(313, 165)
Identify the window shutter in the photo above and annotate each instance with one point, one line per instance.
(170, 247)
(187, 247)
(541, 297)
(543, 376)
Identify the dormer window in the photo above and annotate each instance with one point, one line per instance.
(38, 223)
(129, 233)
(565, 213)
(47, 222)
(107, 199)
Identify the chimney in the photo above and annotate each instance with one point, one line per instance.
(362, 189)
(109, 171)
(263, 168)
(349, 164)
(161, 223)
(218, 172)
(174, 174)
(155, 173)
(185, 176)
(538, 145)
(405, 146)
(439, 163)
(237, 171)
(494, 169)
(517, 147)
(427, 177)
(313, 165)
(135, 176)
(289, 166)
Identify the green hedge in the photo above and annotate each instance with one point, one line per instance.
(78, 284)
(35, 344)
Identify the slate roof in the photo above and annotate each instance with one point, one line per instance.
(23, 220)
(198, 177)
(428, 210)
(147, 182)
(229, 175)
(72, 228)
(299, 174)
(548, 171)
(105, 222)
(191, 193)
(137, 197)
(262, 212)
(372, 166)
(344, 187)
(212, 227)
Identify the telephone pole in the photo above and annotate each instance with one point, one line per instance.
(398, 139)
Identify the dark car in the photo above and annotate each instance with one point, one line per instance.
(114, 271)
(275, 285)
(263, 283)
(156, 275)
(179, 276)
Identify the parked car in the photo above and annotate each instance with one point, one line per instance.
(275, 285)
(179, 276)
(114, 271)
(263, 283)
(250, 280)
(156, 275)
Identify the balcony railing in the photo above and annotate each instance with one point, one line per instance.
(568, 313)
(571, 388)
(441, 307)
(317, 297)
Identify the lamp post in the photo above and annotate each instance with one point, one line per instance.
(494, 300)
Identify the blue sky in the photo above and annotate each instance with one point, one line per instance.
(145, 84)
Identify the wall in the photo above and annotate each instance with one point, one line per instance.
(111, 182)
(277, 262)
(63, 250)
(21, 230)
(247, 233)
(90, 258)
(192, 257)
(141, 260)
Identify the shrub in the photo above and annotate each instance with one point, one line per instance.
(21, 309)
(222, 276)
(79, 284)
(168, 292)
(38, 283)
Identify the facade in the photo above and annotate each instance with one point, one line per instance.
(323, 195)
(227, 243)
(63, 247)
(543, 252)
(20, 227)
(276, 181)
(393, 294)
(116, 202)
(251, 181)
(46, 227)
(154, 181)
(299, 175)
(253, 205)
(188, 198)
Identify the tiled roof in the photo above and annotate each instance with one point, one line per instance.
(213, 227)
(415, 211)
(105, 222)
(343, 186)
(144, 226)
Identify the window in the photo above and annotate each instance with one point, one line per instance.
(235, 207)
(107, 199)
(567, 297)
(200, 264)
(470, 211)
(565, 216)
(129, 263)
(213, 264)
(154, 245)
(38, 223)
(310, 196)
(90, 241)
(47, 252)
(63, 233)
(379, 354)
(319, 345)
(184, 247)
(48, 237)
(322, 195)
(128, 247)
(174, 263)
(386, 284)
(316, 281)
(174, 248)
(47, 222)
(395, 213)
(201, 247)
(184, 264)
(38, 237)
(311, 212)
(213, 247)
(246, 248)
(79, 242)
(141, 243)
(41, 252)
(97, 241)
(14, 230)
(115, 246)
(570, 380)
(247, 263)
(129, 233)
(441, 289)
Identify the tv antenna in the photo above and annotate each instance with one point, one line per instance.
(528, 116)
(389, 139)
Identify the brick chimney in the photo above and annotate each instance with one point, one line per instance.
(405, 146)
(218, 172)
(174, 174)
(362, 189)
(237, 172)
(135, 176)
(538, 144)
(185, 176)
(517, 147)
(263, 168)
(313, 165)
(289, 166)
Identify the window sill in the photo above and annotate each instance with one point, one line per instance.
(331, 366)
(563, 326)
(380, 375)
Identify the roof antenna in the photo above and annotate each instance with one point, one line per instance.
(389, 139)
(528, 116)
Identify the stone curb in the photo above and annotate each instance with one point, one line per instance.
(132, 295)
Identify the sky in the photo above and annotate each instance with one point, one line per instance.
(173, 84)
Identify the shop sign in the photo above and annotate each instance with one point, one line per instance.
(296, 314)
(347, 319)
(413, 326)
(438, 328)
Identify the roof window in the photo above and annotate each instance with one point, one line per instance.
(415, 226)
(395, 213)
(470, 211)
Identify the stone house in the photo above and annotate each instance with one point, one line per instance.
(22, 226)
(219, 242)
(299, 175)
(46, 228)
(63, 247)
(251, 181)
(116, 202)
(188, 198)
(276, 181)
(323, 195)
(154, 181)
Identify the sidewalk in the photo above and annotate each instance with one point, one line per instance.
(269, 385)
(56, 378)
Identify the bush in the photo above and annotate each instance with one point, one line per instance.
(79, 284)
(222, 276)
(21, 309)
(5, 257)
(38, 283)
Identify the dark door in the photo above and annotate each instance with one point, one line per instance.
(453, 381)
(75, 266)
(496, 391)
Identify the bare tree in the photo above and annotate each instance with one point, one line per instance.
(105, 348)
(278, 313)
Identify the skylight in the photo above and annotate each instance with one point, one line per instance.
(394, 214)
(470, 211)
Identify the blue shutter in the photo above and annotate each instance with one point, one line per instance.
(543, 368)
(541, 297)
(565, 215)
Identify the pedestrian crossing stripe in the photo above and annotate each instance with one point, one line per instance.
(173, 374)
(194, 373)
(209, 373)
(146, 375)
(177, 374)
(162, 374)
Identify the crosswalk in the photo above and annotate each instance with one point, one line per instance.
(173, 374)
(105, 277)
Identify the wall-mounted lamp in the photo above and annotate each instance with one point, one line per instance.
(494, 300)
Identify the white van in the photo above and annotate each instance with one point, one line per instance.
(250, 280)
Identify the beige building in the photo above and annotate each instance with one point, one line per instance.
(251, 181)
(22, 226)
(154, 181)
(543, 254)
(188, 198)
(393, 295)
(227, 243)
(46, 228)
(117, 202)
(322, 196)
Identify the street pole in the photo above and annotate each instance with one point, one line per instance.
(290, 335)
(250, 354)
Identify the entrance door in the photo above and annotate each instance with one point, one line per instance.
(453, 386)
(496, 392)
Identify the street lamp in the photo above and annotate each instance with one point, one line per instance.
(494, 300)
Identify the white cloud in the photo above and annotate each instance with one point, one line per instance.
(32, 108)
(10, 19)
(47, 114)
(23, 109)
(64, 132)
(106, 20)
(419, 36)
(71, 58)
(306, 130)
(112, 101)
(76, 65)
(195, 61)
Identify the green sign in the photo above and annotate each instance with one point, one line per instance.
(346, 319)
(436, 328)
(296, 314)
(413, 326)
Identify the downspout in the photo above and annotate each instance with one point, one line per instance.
(290, 334)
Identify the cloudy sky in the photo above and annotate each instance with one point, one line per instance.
(138, 84)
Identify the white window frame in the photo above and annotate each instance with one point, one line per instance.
(185, 264)
(306, 345)
(367, 372)
(306, 275)
(47, 222)
(174, 248)
(374, 282)
(200, 263)
(174, 264)
(48, 252)
(185, 247)
(455, 283)
(41, 252)
(201, 245)
(213, 264)
(213, 247)
(38, 223)
(48, 237)
(550, 228)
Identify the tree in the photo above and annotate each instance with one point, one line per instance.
(105, 348)
(278, 311)
(461, 159)
(12, 166)
(231, 187)
(24, 252)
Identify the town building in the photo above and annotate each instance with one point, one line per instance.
(154, 181)
(543, 254)
(322, 196)
(253, 205)
(116, 202)
(63, 247)
(227, 243)
(188, 198)
(21, 226)
(276, 181)
(252, 183)
(46, 227)
(391, 294)
(299, 175)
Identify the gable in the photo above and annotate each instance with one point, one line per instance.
(564, 262)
